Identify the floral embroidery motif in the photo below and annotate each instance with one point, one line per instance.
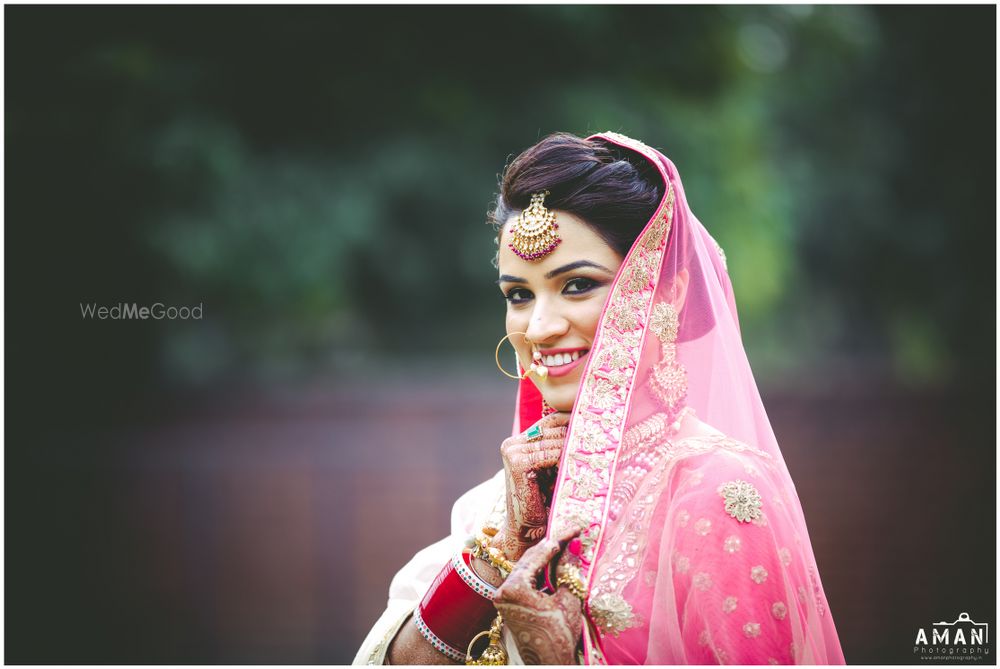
(683, 564)
(731, 544)
(702, 580)
(703, 526)
(683, 517)
(752, 630)
(742, 500)
(758, 574)
(760, 521)
(661, 226)
(779, 610)
(650, 578)
(612, 613)
(638, 277)
(605, 395)
(785, 555)
(729, 604)
(586, 484)
(695, 478)
(704, 638)
(615, 357)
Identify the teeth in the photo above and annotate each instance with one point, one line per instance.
(561, 358)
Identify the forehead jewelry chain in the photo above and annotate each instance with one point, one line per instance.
(533, 234)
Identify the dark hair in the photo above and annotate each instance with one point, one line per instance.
(613, 190)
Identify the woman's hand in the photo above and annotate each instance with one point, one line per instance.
(546, 628)
(529, 467)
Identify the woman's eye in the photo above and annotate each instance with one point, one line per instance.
(579, 285)
(517, 295)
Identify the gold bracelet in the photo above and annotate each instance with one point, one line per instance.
(493, 555)
(570, 576)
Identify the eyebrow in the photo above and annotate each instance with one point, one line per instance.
(556, 272)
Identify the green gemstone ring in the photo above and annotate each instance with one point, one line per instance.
(534, 432)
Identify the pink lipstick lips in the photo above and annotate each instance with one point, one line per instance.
(556, 371)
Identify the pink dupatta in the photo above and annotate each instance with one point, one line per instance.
(695, 545)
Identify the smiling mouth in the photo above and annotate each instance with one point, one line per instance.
(561, 364)
(561, 359)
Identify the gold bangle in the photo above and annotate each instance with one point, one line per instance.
(493, 555)
(570, 576)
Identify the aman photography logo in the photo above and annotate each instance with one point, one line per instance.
(132, 311)
(962, 639)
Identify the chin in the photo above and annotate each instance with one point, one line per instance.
(561, 401)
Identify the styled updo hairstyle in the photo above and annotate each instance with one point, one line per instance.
(613, 190)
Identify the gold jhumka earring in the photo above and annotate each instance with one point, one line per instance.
(668, 377)
(536, 367)
(533, 234)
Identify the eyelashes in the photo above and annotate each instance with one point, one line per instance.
(576, 286)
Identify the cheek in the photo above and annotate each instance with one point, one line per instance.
(589, 318)
(516, 322)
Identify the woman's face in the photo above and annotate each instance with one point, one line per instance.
(557, 302)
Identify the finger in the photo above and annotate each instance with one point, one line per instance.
(567, 533)
(537, 557)
(543, 459)
(555, 419)
(537, 445)
(534, 459)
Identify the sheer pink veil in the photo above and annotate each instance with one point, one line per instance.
(683, 566)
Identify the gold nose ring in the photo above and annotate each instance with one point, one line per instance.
(500, 367)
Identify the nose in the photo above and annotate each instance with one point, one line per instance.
(546, 325)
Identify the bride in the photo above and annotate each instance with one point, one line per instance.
(644, 513)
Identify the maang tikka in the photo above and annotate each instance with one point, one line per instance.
(533, 234)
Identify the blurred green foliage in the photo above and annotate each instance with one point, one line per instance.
(319, 177)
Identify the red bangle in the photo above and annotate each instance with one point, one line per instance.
(454, 610)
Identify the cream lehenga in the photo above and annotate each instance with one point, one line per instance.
(695, 547)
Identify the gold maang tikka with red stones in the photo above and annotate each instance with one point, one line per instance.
(533, 234)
